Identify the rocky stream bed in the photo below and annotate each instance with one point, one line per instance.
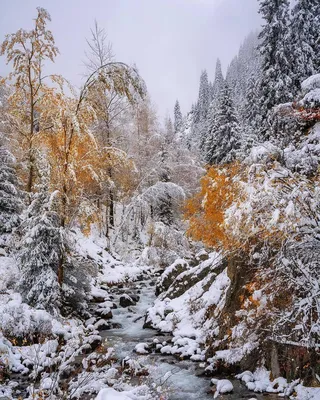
(180, 379)
(136, 346)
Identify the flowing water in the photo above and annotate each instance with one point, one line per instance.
(183, 380)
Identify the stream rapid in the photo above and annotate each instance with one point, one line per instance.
(180, 379)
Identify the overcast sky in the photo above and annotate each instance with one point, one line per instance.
(170, 41)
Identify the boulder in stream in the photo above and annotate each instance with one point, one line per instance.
(126, 301)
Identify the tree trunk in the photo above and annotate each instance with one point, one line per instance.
(61, 272)
(111, 209)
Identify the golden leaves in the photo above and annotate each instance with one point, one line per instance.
(205, 211)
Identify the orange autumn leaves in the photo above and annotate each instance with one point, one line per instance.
(205, 211)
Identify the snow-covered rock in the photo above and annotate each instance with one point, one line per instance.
(142, 348)
(222, 386)
(112, 394)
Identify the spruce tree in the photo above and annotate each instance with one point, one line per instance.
(199, 129)
(276, 83)
(303, 39)
(10, 199)
(204, 97)
(251, 114)
(251, 110)
(224, 138)
(218, 83)
(46, 249)
(40, 254)
(177, 118)
(316, 30)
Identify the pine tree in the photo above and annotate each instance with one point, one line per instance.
(224, 140)
(177, 118)
(275, 85)
(251, 113)
(40, 254)
(204, 97)
(199, 128)
(45, 250)
(303, 38)
(218, 80)
(251, 109)
(241, 69)
(10, 201)
(316, 30)
(169, 130)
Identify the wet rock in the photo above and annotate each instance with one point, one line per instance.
(102, 325)
(170, 275)
(105, 313)
(98, 299)
(135, 297)
(147, 323)
(202, 256)
(4, 373)
(116, 325)
(126, 301)
(92, 346)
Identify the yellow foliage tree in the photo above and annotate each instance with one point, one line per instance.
(27, 51)
(205, 211)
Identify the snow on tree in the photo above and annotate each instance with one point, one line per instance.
(223, 141)
(28, 50)
(40, 255)
(218, 83)
(164, 200)
(204, 97)
(54, 276)
(244, 67)
(10, 200)
(178, 122)
(276, 80)
(200, 113)
(251, 115)
(303, 38)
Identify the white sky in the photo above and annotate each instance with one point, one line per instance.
(170, 41)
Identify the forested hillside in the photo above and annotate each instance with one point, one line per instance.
(140, 258)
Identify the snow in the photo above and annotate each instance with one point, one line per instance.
(306, 393)
(8, 271)
(111, 394)
(313, 82)
(222, 386)
(312, 99)
(262, 153)
(46, 383)
(184, 315)
(138, 393)
(259, 381)
(142, 348)
(111, 270)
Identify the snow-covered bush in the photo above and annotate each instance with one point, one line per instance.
(19, 320)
